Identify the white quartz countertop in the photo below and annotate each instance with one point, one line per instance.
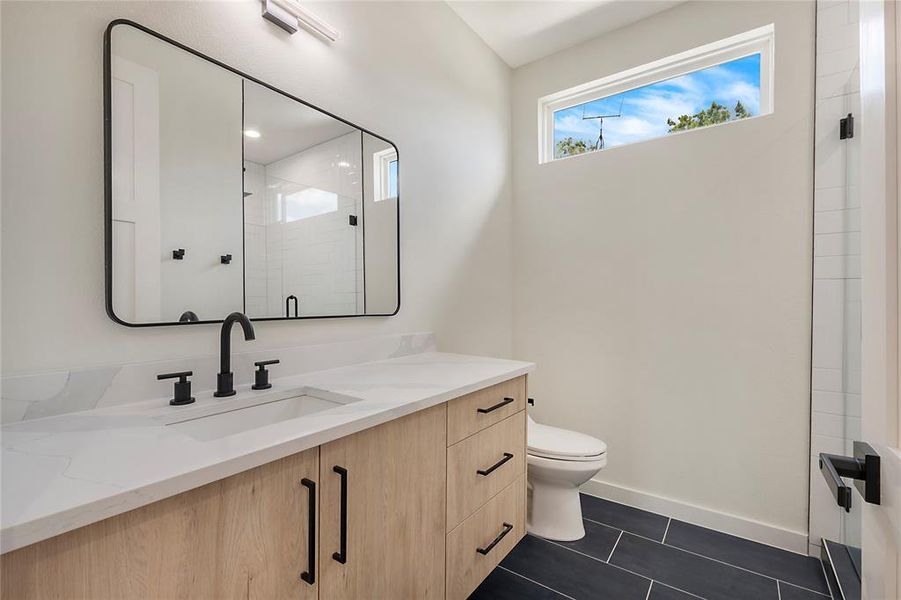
(60, 473)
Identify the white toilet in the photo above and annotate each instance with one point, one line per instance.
(559, 462)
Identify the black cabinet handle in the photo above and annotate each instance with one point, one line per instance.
(310, 574)
(500, 404)
(507, 529)
(507, 456)
(341, 555)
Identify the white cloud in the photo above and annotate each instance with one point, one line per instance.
(748, 94)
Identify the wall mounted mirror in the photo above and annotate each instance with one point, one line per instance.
(225, 194)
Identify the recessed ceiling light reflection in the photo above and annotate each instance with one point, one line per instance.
(251, 133)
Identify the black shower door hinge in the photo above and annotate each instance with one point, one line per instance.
(352, 219)
(846, 127)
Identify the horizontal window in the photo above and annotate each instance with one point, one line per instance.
(721, 82)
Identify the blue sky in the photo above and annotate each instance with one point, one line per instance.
(646, 109)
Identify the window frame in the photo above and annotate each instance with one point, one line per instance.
(756, 41)
(381, 167)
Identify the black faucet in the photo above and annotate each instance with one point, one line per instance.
(225, 380)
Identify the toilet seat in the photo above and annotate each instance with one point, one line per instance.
(560, 444)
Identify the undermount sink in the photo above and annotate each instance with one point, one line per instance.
(236, 417)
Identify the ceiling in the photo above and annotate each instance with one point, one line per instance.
(523, 31)
(286, 127)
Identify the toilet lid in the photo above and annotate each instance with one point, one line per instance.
(563, 444)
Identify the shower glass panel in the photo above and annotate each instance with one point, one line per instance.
(836, 360)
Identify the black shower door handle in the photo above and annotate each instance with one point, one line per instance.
(863, 468)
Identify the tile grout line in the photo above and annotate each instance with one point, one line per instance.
(778, 590)
(535, 582)
(707, 557)
(665, 531)
(828, 585)
(677, 589)
(790, 584)
(670, 520)
(776, 579)
(616, 566)
(838, 583)
(647, 597)
(618, 538)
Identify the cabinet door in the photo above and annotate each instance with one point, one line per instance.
(245, 536)
(393, 515)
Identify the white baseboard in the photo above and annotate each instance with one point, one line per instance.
(794, 541)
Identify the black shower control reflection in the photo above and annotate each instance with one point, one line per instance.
(225, 380)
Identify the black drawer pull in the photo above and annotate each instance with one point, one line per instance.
(507, 529)
(507, 456)
(341, 555)
(500, 404)
(310, 574)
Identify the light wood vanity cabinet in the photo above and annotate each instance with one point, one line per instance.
(395, 510)
(474, 412)
(417, 520)
(486, 482)
(244, 536)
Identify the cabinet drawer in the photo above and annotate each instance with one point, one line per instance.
(476, 411)
(482, 465)
(479, 543)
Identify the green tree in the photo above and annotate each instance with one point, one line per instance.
(717, 113)
(740, 111)
(569, 146)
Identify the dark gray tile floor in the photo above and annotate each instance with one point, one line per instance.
(629, 553)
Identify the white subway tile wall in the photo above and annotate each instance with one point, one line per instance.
(835, 419)
(314, 254)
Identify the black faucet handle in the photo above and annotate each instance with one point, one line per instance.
(261, 377)
(182, 394)
(183, 375)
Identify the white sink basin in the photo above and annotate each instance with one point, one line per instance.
(236, 417)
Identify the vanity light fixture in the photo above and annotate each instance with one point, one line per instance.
(251, 133)
(289, 15)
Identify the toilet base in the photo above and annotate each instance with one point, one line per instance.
(555, 513)
(555, 508)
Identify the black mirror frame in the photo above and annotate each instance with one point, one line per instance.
(108, 177)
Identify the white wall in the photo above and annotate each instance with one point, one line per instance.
(664, 287)
(431, 99)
